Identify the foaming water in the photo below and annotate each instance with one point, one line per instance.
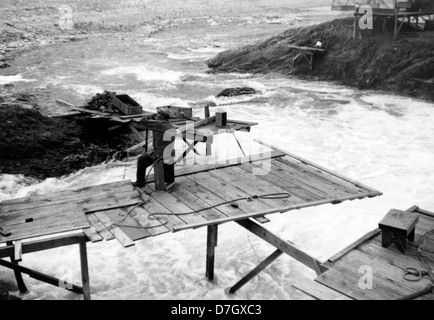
(382, 140)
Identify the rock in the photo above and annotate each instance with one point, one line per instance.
(238, 91)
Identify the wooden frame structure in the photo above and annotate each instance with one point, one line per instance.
(203, 196)
(307, 53)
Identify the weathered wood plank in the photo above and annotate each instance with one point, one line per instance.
(175, 206)
(127, 224)
(263, 212)
(60, 194)
(349, 286)
(195, 203)
(321, 175)
(186, 171)
(61, 198)
(209, 197)
(387, 279)
(316, 290)
(274, 178)
(152, 225)
(123, 239)
(310, 183)
(371, 191)
(153, 207)
(99, 227)
(92, 235)
(227, 191)
(352, 246)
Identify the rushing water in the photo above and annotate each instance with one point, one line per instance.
(384, 141)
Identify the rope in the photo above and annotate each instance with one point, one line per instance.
(412, 274)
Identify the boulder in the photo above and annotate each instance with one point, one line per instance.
(238, 91)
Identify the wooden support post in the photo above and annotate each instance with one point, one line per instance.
(18, 276)
(84, 268)
(207, 114)
(210, 251)
(282, 245)
(356, 26)
(160, 184)
(264, 264)
(395, 28)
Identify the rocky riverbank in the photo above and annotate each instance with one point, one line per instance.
(405, 66)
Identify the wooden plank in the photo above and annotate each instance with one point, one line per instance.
(283, 246)
(255, 186)
(186, 171)
(18, 252)
(354, 245)
(316, 290)
(349, 286)
(314, 165)
(273, 177)
(123, 239)
(92, 235)
(209, 198)
(262, 266)
(154, 207)
(227, 191)
(38, 228)
(99, 227)
(308, 182)
(154, 227)
(426, 212)
(78, 193)
(262, 213)
(195, 203)
(41, 245)
(127, 224)
(73, 197)
(176, 206)
(387, 279)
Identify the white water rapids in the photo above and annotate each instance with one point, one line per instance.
(382, 140)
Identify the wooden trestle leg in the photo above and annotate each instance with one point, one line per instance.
(210, 251)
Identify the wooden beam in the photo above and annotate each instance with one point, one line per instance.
(282, 245)
(265, 212)
(136, 132)
(18, 276)
(352, 246)
(40, 245)
(373, 192)
(264, 264)
(210, 251)
(39, 276)
(18, 252)
(84, 268)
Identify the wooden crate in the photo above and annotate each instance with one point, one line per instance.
(126, 104)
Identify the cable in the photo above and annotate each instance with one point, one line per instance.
(151, 216)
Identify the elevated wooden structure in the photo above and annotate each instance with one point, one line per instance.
(308, 53)
(393, 274)
(203, 196)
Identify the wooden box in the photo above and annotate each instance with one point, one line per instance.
(126, 104)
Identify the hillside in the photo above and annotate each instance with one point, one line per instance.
(405, 66)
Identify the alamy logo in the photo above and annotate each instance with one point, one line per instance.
(66, 20)
(366, 282)
(367, 20)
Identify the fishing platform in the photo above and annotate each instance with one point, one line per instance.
(246, 190)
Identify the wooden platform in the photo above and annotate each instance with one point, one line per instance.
(388, 265)
(203, 196)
